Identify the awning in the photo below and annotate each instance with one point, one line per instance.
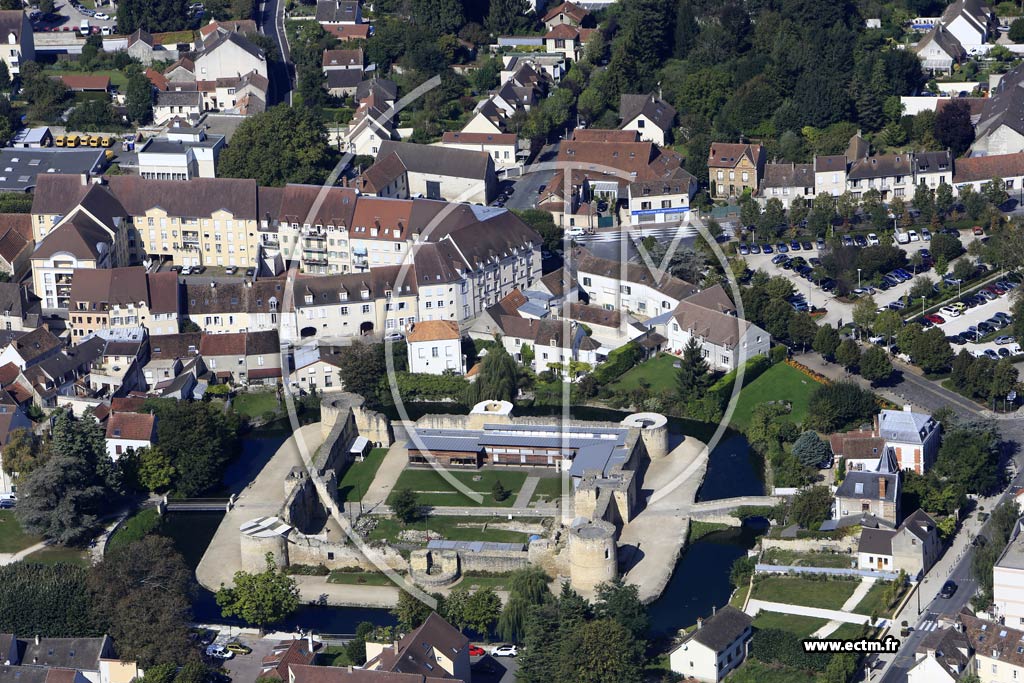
(359, 445)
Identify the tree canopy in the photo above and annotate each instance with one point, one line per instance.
(281, 145)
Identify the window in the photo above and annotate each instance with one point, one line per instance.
(625, 289)
(586, 282)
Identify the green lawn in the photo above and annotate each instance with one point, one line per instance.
(794, 623)
(58, 554)
(873, 601)
(780, 382)
(699, 529)
(657, 374)
(848, 632)
(791, 558)
(829, 594)
(477, 582)
(387, 529)
(548, 489)
(255, 404)
(359, 578)
(135, 528)
(118, 79)
(359, 476)
(173, 37)
(739, 596)
(432, 489)
(754, 671)
(12, 538)
(333, 655)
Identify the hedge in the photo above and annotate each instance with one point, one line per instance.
(424, 387)
(773, 646)
(618, 362)
(722, 389)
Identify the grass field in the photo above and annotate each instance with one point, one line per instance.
(657, 374)
(333, 655)
(477, 582)
(548, 489)
(449, 528)
(794, 623)
(739, 596)
(432, 489)
(359, 476)
(57, 554)
(780, 382)
(848, 632)
(255, 404)
(135, 528)
(797, 591)
(873, 601)
(753, 671)
(790, 558)
(12, 538)
(359, 578)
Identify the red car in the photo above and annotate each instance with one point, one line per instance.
(476, 651)
(998, 291)
(978, 230)
(935, 319)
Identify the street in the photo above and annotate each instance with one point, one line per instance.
(271, 21)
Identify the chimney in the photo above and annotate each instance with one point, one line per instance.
(907, 408)
(700, 623)
(37, 639)
(881, 487)
(875, 420)
(309, 641)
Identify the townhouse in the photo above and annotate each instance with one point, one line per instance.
(1008, 581)
(892, 175)
(870, 497)
(435, 347)
(735, 168)
(235, 307)
(243, 358)
(629, 287)
(108, 298)
(117, 367)
(15, 244)
(19, 308)
(963, 29)
(787, 182)
(315, 368)
(170, 356)
(977, 172)
(912, 547)
(19, 46)
(129, 431)
(650, 116)
(503, 148)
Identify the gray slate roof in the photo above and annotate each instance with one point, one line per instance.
(660, 112)
(722, 629)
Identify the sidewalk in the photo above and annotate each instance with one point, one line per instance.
(387, 475)
(754, 606)
(526, 492)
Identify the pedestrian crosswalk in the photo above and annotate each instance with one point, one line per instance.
(928, 625)
(636, 234)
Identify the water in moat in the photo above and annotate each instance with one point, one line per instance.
(699, 583)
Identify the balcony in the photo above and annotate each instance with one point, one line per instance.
(314, 259)
(188, 237)
(318, 247)
(313, 234)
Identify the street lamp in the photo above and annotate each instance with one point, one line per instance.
(858, 278)
(922, 304)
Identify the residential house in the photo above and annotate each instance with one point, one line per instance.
(19, 308)
(316, 369)
(787, 182)
(435, 347)
(143, 47)
(568, 41)
(912, 547)
(717, 646)
(16, 244)
(503, 148)
(940, 51)
(1008, 581)
(538, 67)
(263, 358)
(86, 83)
(67, 660)
(933, 169)
(405, 170)
(108, 298)
(830, 174)
(629, 287)
(65, 373)
(286, 654)
(172, 104)
(892, 175)
(242, 26)
(170, 356)
(224, 355)
(943, 656)
(31, 348)
(859, 449)
(235, 307)
(227, 53)
(434, 649)
(977, 172)
(117, 367)
(16, 34)
(553, 344)
(33, 138)
(338, 12)
(996, 648)
(734, 168)
(650, 116)
(874, 493)
(913, 437)
(343, 71)
(12, 417)
(567, 13)
(373, 122)
(129, 431)
(726, 341)
(1000, 128)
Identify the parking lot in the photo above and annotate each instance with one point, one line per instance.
(68, 17)
(955, 325)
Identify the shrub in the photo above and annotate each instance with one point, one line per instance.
(618, 362)
(773, 646)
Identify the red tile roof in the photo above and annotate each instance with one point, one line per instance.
(232, 344)
(132, 426)
(434, 330)
(86, 82)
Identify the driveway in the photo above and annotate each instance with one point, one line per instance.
(488, 669)
(246, 668)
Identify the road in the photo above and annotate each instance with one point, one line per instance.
(280, 72)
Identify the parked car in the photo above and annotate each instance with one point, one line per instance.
(781, 248)
(948, 589)
(794, 246)
(219, 652)
(505, 651)
(820, 244)
(394, 337)
(949, 312)
(992, 354)
(1004, 339)
(250, 272)
(872, 240)
(912, 235)
(476, 651)
(231, 270)
(754, 249)
(743, 249)
(926, 235)
(860, 241)
(935, 319)
(238, 648)
(767, 248)
(847, 241)
(978, 230)
(7, 504)
(807, 246)
(1003, 352)
(576, 231)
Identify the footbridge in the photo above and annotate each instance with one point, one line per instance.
(720, 510)
(195, 504)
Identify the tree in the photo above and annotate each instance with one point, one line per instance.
(802, 330)
(601, 650)
(848, 354)
(826, 341)
(887, 324)
(50, 599)
(1016, 33)
(864, 313)
(507, 16)
(361, 367)
(810, 450)
(410, 613)
(846, 206)
(23, 452)
(198, 438)
(946, 246)
(482, 610)
(261, 599)
(924, 201)
(944, 200)
(143, 591)
(139, 96)
(46, 96)
(405, 506)
(281, 145)
(995, 191)
(833, 406)
(875, 365)
(5, 75)
(544, 224)
(694, 374)
(498, 491)
(620, 601)
(969, 457)
(953, 128)
(931, 352)
(498, 379)
(527, 588)
(156, 471)
(158, 16)
(811, 506)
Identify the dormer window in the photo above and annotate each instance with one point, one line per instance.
(309, 298)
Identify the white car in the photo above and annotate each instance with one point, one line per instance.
(872, 240)
(912, 234)
(102, 16)
(505, 651)
(949, 312)
(219, 652)
(577, 232)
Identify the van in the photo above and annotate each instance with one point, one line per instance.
(84, 26)
(58, 141)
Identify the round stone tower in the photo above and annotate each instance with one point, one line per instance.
(653, 430)
(261, 536)
(592, 557)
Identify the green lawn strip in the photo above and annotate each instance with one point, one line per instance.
(779, 383)
(255, 404)
(12, 537)
(333, 655)
(173, 37)
(448, 528)
(479, 582)
(848, 632)
(873, 601)
(797, 624)
(700, 529)
(827, 594)
(753, 671)
(657, 374)
(359, 476)
(790, 558)
(432, 489)
(57, 554)
(359, 578)
(739, 597)
(135, 528)
(548, 489)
